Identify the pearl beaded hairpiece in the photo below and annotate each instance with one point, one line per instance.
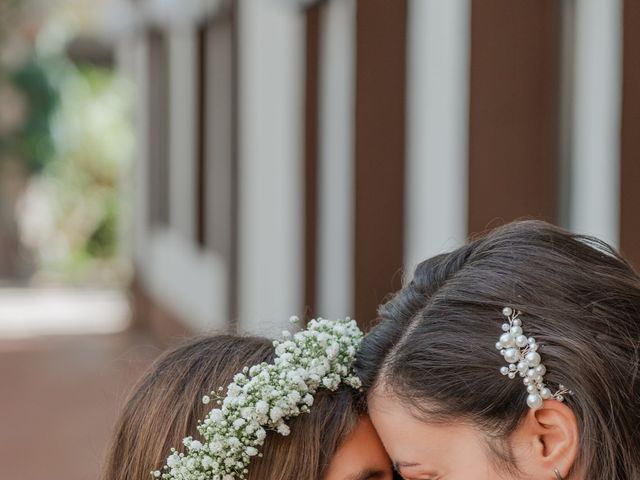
(521, 352)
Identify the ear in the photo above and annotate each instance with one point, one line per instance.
(548, 438)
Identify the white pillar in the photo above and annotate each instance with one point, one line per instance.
(132, 223)
(271, 56)
(182, 127)
(336, 202)
(140, 185)
(437, 127)
(595, 163)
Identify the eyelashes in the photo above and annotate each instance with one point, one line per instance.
(423, 476)
(399, 476)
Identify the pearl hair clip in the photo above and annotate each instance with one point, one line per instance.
(521, 353)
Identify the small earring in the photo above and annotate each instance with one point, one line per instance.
(557, 473)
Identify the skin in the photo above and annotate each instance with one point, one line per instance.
(546, 439)
(361, 456)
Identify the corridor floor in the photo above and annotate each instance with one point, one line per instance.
(59, 397)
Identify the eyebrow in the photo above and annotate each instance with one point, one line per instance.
(369, 474)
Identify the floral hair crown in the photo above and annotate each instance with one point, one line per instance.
(521, 353)
(263, 396)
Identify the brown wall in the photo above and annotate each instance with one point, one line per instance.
(514, 111)
(630, 140)
(379, 150)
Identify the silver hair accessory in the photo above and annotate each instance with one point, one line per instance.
(521, 353)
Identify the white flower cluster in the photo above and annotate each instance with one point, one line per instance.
(262, 397)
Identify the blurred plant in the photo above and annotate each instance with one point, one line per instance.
(27, 94)
(65, 139)
(71, 215)
(29, 99)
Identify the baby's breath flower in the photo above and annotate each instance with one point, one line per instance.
(263, 396)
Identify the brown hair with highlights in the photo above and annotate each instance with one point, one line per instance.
(165, 406)
(434, 348)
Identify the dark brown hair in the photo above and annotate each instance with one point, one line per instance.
(434, 348)
(165, 406)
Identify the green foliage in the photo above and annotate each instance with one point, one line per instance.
(102, 242)
(93, 143)
(32, 141)
(69, 128)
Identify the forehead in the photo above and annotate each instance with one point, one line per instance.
(410, 440)
(361, 456)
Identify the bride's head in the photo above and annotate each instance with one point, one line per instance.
(432, 367)
(335, 441)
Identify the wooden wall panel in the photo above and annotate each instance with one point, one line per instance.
(514, 111)
(379, 152)
(630, 140)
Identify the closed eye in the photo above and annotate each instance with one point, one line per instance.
(401, 468)
(369, 474)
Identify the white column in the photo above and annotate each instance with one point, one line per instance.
(336, 200)
(182, 128)
(140, 184)
(130, 62)
(437, 127)
(190, 282)
(271, 42)
(595, 169)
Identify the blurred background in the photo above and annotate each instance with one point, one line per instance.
(173, 167)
